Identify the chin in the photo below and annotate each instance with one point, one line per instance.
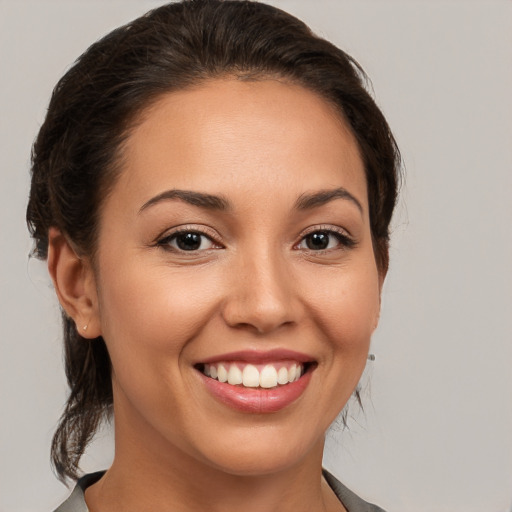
(257, 464)
(262, 452)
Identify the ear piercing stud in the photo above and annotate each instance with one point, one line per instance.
(85, 327)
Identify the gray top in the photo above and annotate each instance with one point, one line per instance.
(76, 501)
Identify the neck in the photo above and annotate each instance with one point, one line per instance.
(158, 475)
(181, 484)
(147, 485)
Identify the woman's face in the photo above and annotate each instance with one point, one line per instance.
(236, 243)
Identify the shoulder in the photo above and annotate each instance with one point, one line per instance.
(76, 500)
(351, 501)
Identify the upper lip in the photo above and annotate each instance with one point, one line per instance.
(260, 357)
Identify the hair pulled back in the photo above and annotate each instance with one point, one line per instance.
(78, 151)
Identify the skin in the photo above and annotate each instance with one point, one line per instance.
(253, 285)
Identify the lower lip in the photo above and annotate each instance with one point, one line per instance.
(257, 400)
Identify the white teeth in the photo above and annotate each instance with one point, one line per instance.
(222, 373)
(234, 375)
(282, 376)
(268, 377)
(292, 373)
(251, 376)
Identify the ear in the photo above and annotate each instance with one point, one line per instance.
(382, 277)
(75, 284)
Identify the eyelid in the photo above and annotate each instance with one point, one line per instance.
(188, 228)
(326, 227)
(345, 238)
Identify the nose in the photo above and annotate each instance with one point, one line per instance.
(262, 296)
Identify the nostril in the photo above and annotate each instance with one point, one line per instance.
(259, 327)
(260, 320)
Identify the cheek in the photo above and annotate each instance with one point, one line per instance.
(149, 315)
(344, 315)
(158, 305)
(347, 308)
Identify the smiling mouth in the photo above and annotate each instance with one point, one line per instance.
(264, 376)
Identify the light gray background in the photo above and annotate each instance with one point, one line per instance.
(437, 432)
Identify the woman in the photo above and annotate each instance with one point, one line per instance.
(212, 188)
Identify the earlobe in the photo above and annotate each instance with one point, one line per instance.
(377, 318)
(74, 283)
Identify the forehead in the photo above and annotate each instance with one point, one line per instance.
(237, 136)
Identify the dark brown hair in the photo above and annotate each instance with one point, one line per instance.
(76, 155)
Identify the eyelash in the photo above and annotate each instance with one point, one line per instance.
(344, 240)
(165, 242)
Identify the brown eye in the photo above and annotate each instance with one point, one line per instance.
(318, 241)
(325, 239)
(187, 241)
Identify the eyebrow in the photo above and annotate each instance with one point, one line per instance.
(208, 201)
(213, 202)
(316, 199)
